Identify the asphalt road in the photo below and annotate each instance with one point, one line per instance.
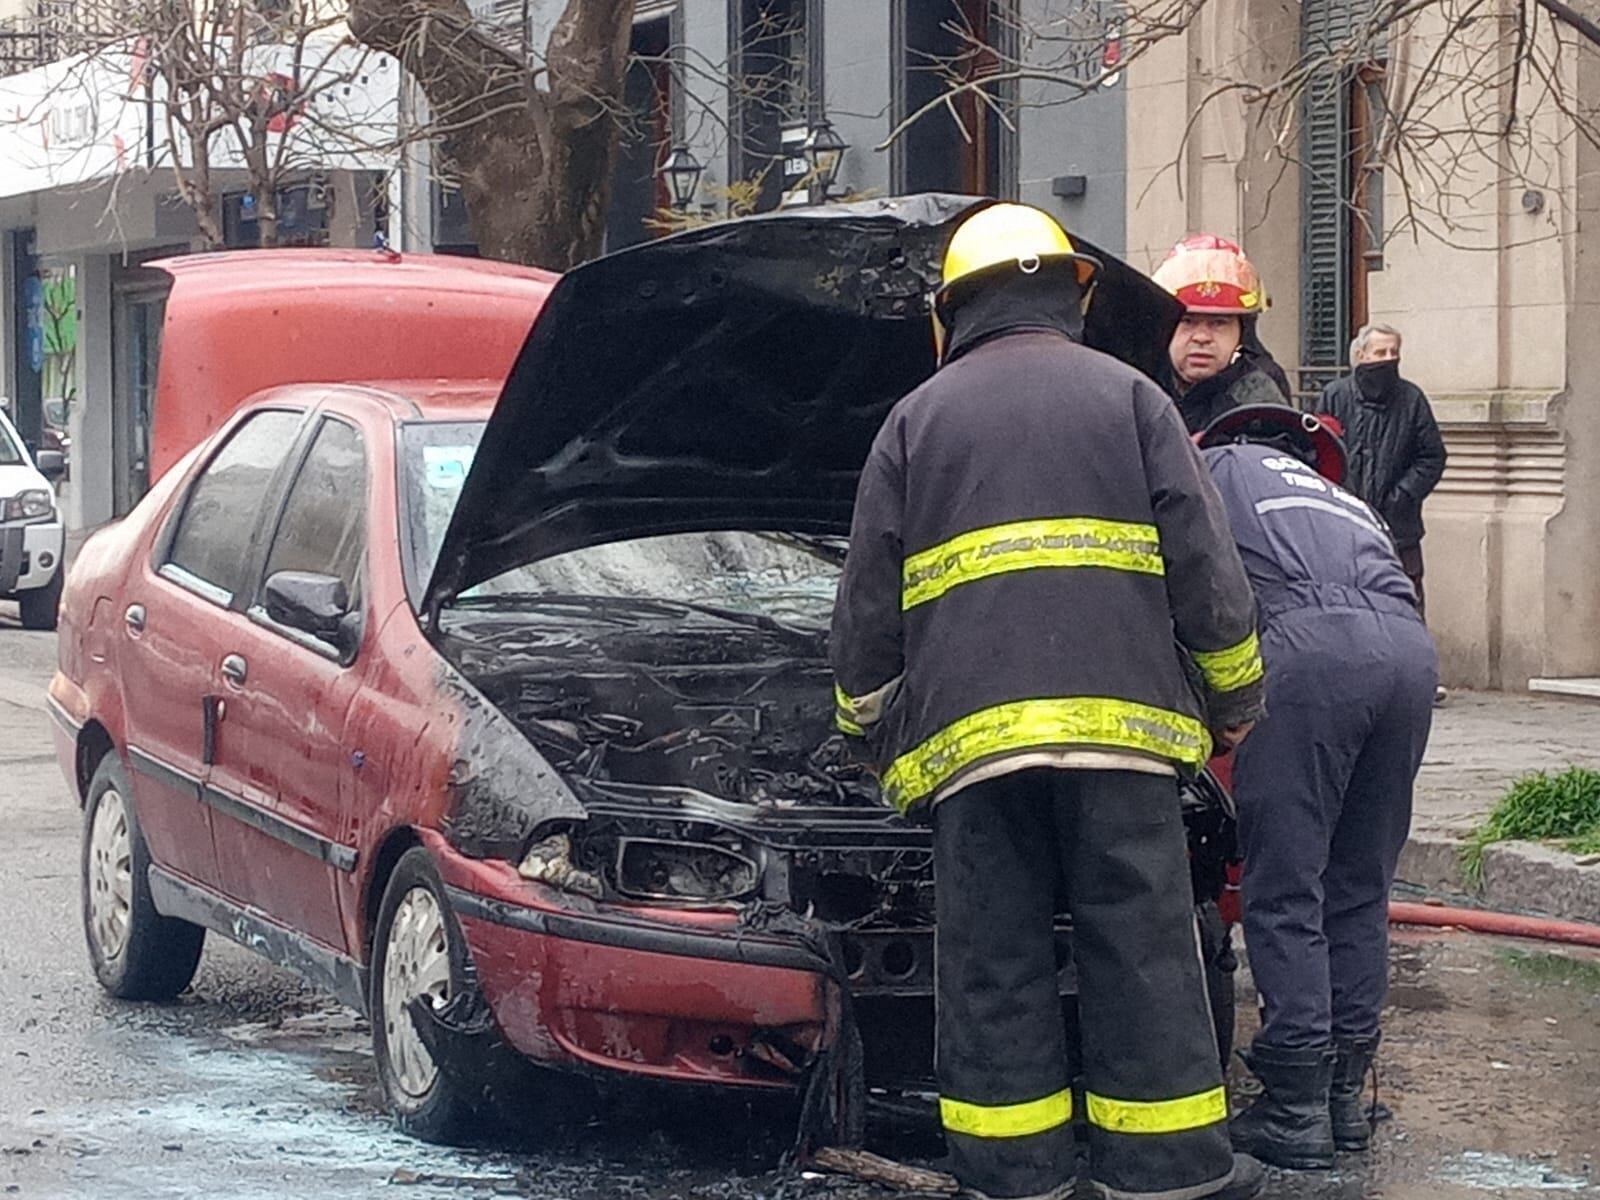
(253, 1085)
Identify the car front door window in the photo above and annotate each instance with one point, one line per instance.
(210, 547)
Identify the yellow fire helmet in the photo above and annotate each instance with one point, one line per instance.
(1003, 237)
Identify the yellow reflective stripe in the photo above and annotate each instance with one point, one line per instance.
(1024, 545)
(1033, 724)
(1006, 1120)
(1158, 1116)
(844, 715)
(1236, 667)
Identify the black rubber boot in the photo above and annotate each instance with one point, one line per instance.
(1244, 1182)
(1249, 1177)
(1289, 1124)
(1352, 1128)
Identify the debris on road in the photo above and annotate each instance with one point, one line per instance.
(873, 1168)
(401, 1176)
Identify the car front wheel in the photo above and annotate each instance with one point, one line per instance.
(417, 953)
(137, 953)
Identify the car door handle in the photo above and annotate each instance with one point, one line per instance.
(134, 619)
(235, 669)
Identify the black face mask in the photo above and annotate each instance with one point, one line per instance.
(1375, 380)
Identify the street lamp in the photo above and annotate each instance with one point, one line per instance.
(824, 150)
(683, 171)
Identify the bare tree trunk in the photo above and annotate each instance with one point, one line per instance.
(263, 185)
(534, 164)
(194, 185)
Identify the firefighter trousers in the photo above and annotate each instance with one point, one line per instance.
(1324, 787)
(1110, 847)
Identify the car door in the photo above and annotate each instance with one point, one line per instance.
(275, 784)
(173, 612)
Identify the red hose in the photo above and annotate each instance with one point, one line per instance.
(1576, 933)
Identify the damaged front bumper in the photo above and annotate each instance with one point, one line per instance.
(677, 995)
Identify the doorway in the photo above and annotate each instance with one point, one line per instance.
(139, 304)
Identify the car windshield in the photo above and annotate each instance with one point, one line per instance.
(784, 577)
(10, 451)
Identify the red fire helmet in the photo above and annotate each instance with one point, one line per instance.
(1308, 436)
(1210, 274)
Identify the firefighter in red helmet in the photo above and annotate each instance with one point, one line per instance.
(1217, 359)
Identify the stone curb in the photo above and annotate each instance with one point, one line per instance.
(1522, 877)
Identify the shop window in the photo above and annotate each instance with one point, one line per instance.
(770, 97)
(966, 146)
(452, 231)
(638, 192)
(303, 211)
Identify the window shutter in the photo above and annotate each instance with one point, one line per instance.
(1324, 234)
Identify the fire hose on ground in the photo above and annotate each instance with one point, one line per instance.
(1544, 929)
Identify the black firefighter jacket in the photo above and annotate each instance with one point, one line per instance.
(1032, 526)
(1395, 453)
(1252, 378)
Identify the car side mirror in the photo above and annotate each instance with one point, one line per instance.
(310, 602)
(52, 464)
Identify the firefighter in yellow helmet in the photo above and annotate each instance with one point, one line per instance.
(1217, 360)
(1031, 527)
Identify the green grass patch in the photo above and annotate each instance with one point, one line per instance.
(1554, 968)
(1541, 807)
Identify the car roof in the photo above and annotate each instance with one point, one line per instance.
(435, 399)
(402, 399)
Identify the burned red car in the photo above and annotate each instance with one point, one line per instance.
(501, 708)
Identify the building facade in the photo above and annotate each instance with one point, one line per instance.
(740, 83)
(88, 197)
(1131, 153)
(1477, 251)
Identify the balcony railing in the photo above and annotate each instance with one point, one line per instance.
(26, 43)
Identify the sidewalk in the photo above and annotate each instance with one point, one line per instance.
(1482, 743)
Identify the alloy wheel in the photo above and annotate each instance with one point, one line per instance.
(110, 875)
(416, 963)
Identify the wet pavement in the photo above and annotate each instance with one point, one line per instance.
(253, 1085)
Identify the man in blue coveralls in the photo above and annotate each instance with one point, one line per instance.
(1324, 784)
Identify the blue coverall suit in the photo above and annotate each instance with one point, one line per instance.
(1324, 783)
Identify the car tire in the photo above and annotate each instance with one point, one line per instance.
(136, 953)
(39, 605)
(417, 948)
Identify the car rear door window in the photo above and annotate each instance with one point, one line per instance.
(324, 523)
(211, 545)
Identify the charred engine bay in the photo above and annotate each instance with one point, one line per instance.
(734, 705)
(701, 744)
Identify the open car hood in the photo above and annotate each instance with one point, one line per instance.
(730, 377)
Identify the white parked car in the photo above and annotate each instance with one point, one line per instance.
(31, 535)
